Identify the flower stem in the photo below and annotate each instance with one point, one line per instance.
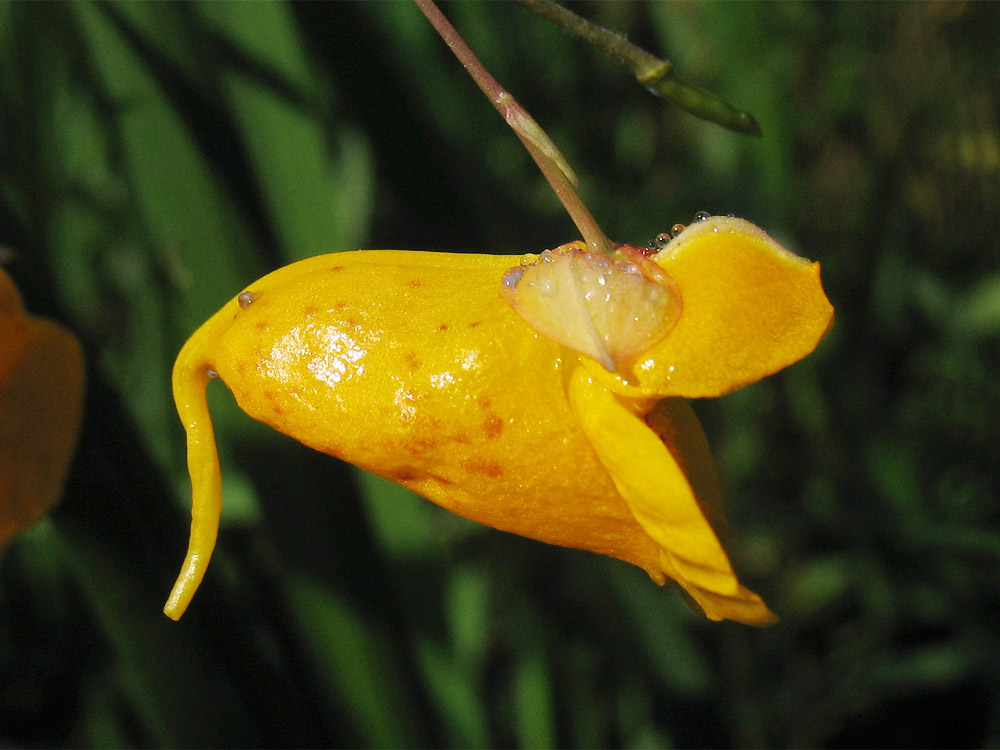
(658, 76)
(545, 153)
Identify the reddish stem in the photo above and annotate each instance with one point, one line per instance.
(545, 153)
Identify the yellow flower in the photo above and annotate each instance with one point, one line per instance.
(429, 369)
(41, 394)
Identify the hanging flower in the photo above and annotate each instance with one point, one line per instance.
(544, 399)
(41, 395)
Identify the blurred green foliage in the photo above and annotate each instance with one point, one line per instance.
(156, 157)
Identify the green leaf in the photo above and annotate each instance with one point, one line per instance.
(353, 664)
(317, 185)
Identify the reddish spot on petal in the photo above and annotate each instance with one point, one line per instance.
(271, 397)
(416, 446)
(416, 282)
(483, 467)
(443, 327)
(475, 323)
(644, 251)
(412, 360)
(493, 426)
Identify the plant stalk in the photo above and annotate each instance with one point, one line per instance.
(545, 153)
(658, 76)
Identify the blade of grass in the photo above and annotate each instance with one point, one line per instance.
(288, 143)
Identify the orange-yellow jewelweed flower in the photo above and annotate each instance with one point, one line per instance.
(41, 395)
(543, 399)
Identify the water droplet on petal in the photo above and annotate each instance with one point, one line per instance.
(702, 216)
(660, 241)
(676, 229)
(512, 276)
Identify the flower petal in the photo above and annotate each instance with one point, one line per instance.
(604, 308)
(651, 471)
(41, 404)
(751, 308)
(12, 325)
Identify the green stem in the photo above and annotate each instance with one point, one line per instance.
(545, 153)
(659, 76)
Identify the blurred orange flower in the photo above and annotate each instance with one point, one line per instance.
(41, 398)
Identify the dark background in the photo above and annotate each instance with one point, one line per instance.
(157, 157)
